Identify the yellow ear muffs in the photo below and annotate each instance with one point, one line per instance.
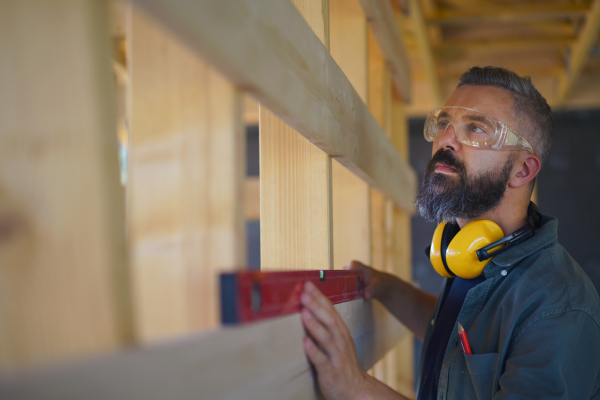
(460, 255)
(435, 252)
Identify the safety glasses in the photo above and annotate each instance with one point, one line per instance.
(474, 129)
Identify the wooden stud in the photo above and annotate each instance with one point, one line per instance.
(379, 85)
(580, 52)
(252, 198)
(351, 198)
(400, 260)
(295, 185)
(426, 53)
(380, 16)
(186, 176)
(64, 282)
(289, 70)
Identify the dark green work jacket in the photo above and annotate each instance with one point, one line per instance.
(533, 326)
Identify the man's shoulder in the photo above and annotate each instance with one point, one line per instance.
(557, 282)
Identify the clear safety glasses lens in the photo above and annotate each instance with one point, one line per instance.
(471, 127)
(474, 129)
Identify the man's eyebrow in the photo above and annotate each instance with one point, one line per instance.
(443, 114)
(474, 117)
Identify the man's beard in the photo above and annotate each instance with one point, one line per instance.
(444, 198)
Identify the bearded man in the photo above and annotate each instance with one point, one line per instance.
(531, 315)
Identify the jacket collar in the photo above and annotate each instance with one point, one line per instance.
(544, 236)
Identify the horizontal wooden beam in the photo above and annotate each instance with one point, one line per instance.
(580, 52)
(268, 50)
(529, 13)
(380, 16)
(257, 361)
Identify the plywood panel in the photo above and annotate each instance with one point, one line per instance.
(351, 198)
(295, 184)
(63, 277)
(185, 199)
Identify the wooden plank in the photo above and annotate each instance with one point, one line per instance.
(252, 199)
(64, 282)
(287, 68)
(351, 196)
(250, 111)
(580, 52)
(426, 53)
(380, 15)
(509, 14)
(379, 96)
(259, 361)
(186, 175)
(401, 256)
(295, 184)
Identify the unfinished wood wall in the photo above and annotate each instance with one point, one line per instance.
(295, 183)
(185, 182)
(95, 267)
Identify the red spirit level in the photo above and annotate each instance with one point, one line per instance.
(252, 296)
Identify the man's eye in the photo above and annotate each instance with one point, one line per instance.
(442, 124)
(478, 129)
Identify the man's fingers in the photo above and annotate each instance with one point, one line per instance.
(318, 331)
(316, 294)
(315, 355)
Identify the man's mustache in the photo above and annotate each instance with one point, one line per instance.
(446, 157)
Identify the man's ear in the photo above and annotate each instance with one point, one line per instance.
(527, 168)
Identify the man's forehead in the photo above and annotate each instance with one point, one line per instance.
(489, 100)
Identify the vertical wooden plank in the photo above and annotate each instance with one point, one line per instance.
(402, 356)
(351, 196)
(390, 226)
(63, 275)
(379, 84)
(187, 159)
(295, 183)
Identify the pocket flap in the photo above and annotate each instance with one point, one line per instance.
(483, 369)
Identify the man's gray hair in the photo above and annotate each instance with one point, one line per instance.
(530, 108)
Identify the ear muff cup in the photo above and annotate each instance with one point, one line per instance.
(442, 237)
(459, 257)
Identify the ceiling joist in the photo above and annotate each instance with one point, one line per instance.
(580, 52)
(494, 14)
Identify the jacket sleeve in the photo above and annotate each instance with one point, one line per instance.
(555, 356)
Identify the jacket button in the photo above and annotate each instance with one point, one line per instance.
(503, 273)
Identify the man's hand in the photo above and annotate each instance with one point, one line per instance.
(377, 283)
(331, 350)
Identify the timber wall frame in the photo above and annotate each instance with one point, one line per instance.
(335, 185)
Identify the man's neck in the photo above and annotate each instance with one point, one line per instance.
(509, 217)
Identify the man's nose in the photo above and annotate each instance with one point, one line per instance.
(448, 140)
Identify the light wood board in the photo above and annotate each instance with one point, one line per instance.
(186, 183)
(382, 21)
(63, 275)
(351, 196)
(296, 229)
(268, 50)
(255, 362)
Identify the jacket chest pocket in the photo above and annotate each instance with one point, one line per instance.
(483, 369)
